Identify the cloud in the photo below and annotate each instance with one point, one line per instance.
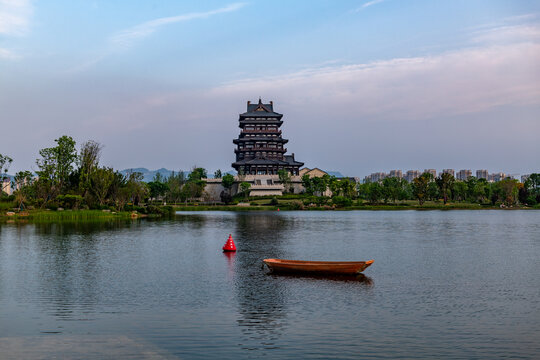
(368, 4)
(15, 17)
(128, 37)
(8, 54)
(507, 34)
(466, 81)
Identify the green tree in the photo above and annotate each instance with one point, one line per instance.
(347, 188)
(175, 182)
(374, 192)
(55, 167)
(445, 182)
(217, 174)
(285, 178)
(320, 184)
(244, 189)
(508, 191)
(101, 180)
(421, 187)
(5, 163)
(88, 162)
(307, 183)
(391, 188)
(227, 181)
(459, 190)
(195, 184)
(22, 183)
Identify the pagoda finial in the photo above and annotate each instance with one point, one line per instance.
(260, 101)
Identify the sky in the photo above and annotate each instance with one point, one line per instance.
(364, 86)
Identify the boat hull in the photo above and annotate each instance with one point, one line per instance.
(317, 267)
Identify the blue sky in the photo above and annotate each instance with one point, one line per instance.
(364, 85)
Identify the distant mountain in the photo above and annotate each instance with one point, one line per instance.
(148, 175)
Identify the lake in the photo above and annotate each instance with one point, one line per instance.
(444, 284)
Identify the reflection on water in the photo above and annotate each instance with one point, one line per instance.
(261, 304)
(360, 279)
(460, 284)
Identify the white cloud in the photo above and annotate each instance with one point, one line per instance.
(465, 81)
(126, 38)
(15, 17)
(507, 33)
(368, 4)
(8, 54)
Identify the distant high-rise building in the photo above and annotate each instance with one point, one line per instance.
(396, 173)
(411, 175)
(497, 176)
(378, 176)
(482, 174)
(448, 171)
(463, 175)
(431, 171)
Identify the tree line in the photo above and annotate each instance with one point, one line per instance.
(73, 179)
(428, 188)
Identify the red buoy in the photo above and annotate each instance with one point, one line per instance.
(229, 245)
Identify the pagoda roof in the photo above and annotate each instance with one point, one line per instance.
(289, 161)
(260, 110)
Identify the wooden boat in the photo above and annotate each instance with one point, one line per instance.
(317, 267)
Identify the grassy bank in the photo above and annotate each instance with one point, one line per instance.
(289, 204)
(67, 215)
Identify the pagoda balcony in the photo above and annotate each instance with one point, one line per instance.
(259, 138)
(273, 132)
(284, 150)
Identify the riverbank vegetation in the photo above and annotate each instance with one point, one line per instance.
(71, 183)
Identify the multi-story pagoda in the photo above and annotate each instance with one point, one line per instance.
(260, 147)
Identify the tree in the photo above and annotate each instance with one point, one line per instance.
(5, 163)
(66, 155)
(227, 181)
(217, 174)
(508, 191)
(22, 182)
(320, 184)
(433, 191)
(55, 167)
(307, 183)
(88, 162)
(285, 178)
(374, 192)
(420, 187)
(101, 180)
(445, 182)
(333, 184)
(195, 184)
(175, 182)
(459, 190)
(244, 188)
(347, 188)
(391, 188)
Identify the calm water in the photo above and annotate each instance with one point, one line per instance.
(452, 284)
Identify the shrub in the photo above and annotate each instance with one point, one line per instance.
(52, 205)
(69, 201)
(341, 201)
(296, 205)
(274, 201)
